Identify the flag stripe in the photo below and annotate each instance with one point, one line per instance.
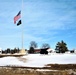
(17, 17)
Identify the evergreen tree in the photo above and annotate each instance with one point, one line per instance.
(15, 50)
(18, 50)
(31, 50)
(8, 50)
(12, 51)
(61, 47)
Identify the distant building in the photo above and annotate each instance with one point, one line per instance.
(36, 51)
(75, 51)
(51, 50)
(67, 52)
(0, 51)
(72, 51)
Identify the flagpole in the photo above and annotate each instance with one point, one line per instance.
(22, 50)
(22, 27)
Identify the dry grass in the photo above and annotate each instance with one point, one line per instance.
(18, 71)
(55, 69)
(62, 66)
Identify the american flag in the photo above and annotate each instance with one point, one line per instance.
(17, 17)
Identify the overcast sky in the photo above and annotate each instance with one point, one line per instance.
(43, 21)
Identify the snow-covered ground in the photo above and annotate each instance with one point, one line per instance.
(37, 60)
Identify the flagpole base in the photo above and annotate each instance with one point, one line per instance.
(23, 52)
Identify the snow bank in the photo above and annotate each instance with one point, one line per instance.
(37, 60)
(6, 61)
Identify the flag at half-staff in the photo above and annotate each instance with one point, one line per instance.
(17, 18)
(18, 21)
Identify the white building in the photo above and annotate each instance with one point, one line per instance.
(0, 51)
(51, 50)
(74, 51)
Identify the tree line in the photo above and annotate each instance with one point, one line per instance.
(11, 51)
(61, 47)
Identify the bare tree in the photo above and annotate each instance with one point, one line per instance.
(33, 44)
(45, 45)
